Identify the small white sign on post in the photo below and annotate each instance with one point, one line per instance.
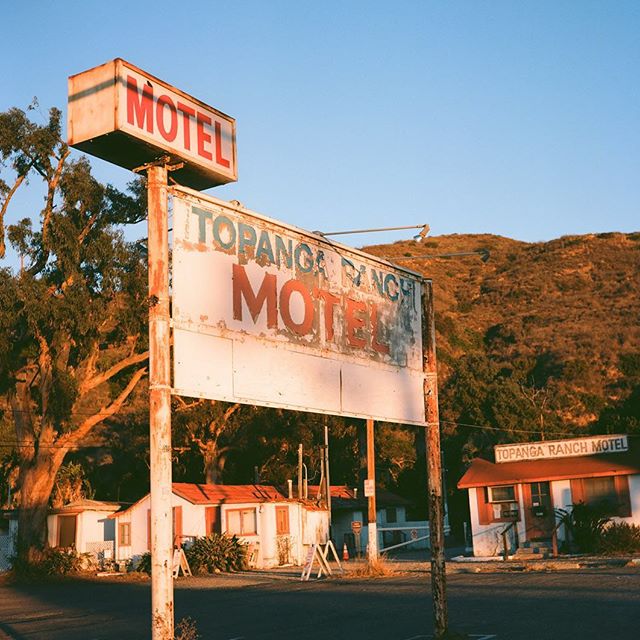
(369, 488)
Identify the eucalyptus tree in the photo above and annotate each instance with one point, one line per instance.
(72, 315)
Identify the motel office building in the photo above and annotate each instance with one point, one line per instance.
(529, 482)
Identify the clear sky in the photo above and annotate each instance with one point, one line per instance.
(514, 118)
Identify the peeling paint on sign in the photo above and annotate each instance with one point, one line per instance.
(241, 277)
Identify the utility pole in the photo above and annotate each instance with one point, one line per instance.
(371, 494)
(160, 405)
(434, 466)
(326, 469)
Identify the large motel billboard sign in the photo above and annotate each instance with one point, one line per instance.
(266, 313)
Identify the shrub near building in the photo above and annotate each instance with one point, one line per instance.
(217, 553)
(620, 538)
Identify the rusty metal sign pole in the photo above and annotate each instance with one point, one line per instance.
(160, 405)
(434, 464)
(371, 498)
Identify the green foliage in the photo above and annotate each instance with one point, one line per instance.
(620, 538)
(217, 553)
(622, 416)
(585, 525)
(144, 563)
(71, 485)
(51, 561)
(630, 364)
(72, 334)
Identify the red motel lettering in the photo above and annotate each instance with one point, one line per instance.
(168, 117)
(361, 326)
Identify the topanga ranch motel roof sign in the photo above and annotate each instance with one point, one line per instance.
(122, 114)
(591, 446)
(266, 313)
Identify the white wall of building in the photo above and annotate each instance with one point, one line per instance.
(486, 538)
(93, 530)
(193, 524)
(634, 494)
(305, 527)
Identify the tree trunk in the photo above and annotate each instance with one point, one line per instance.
(209, 452)
(210, 469)
(35, 490)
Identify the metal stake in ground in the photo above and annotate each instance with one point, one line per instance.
(434, 466)
(160, 407)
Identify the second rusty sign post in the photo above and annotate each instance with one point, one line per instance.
(434, 464)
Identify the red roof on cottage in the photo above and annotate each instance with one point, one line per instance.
(226, 493)
(86, 505)
(483, 473)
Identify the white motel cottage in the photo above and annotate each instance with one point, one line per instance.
(84, 525)
(519, 493)
(278, 530)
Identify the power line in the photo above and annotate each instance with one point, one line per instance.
(23, 443)
(505, 429)
(73, 413)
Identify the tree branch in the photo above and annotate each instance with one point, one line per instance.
(53, 185)
(72, 439)
(229, 412)
(46, 373)
(185, 406)
(3, 210)
(87, 228)
(92, 383)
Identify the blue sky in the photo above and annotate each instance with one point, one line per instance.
(512, 118)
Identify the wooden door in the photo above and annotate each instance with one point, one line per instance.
(282, 520)
(538, 510)
(67, 531)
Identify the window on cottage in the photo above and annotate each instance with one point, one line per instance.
(242, 522)
(124, 534)
(601, 493)
(505, 493)
(392, 514)
(610, 495)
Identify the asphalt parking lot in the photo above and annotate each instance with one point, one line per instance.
(586, 604)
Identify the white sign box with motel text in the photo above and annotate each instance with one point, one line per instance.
(268, 314)
(127, 116)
